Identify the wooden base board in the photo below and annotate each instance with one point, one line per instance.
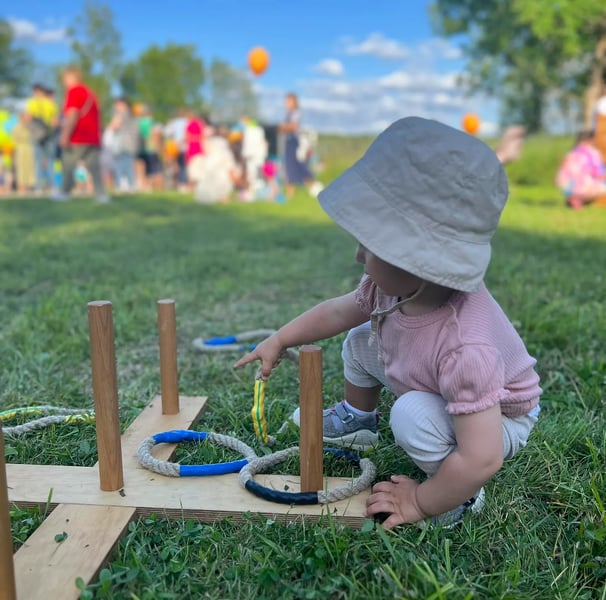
(95, 520)
(207, 499)
(46, 569)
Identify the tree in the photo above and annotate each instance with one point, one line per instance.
(231, 93)
(580, 27)
(524, 52)
(96, 46)
(166, 78)
(15, 64)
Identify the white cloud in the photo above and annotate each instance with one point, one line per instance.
(489, 129)
(379, 46)
(327, 105)
(29, 31)
(331, 67)
(376, 44)
(410, 80)
(439, 48)
(369, 107)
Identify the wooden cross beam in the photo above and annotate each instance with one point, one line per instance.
(94, 505)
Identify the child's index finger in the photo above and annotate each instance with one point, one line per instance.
(247, 358)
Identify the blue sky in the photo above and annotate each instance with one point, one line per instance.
(356, 64)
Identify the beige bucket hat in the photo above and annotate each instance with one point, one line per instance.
(426, 198)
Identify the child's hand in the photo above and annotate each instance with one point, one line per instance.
(396, 497)
(269, 352)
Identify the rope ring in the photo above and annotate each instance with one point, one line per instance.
(53, 415)
(171, 469)
(351, 488)
(232, 343)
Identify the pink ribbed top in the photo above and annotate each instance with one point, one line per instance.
(467, 351)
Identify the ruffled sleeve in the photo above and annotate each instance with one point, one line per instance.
(472, 379)
(366, 295)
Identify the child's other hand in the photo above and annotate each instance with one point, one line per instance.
(396, 497)
(268, 352)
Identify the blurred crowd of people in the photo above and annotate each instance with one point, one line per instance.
(48, 150)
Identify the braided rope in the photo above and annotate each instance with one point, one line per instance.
(61, 415)
(257, 412)
(351, 488)
(232, 343)
(171, 469)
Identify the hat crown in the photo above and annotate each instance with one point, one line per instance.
(426, 198)
(441, 177)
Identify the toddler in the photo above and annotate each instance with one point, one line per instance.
(423, 204)
(582, 174)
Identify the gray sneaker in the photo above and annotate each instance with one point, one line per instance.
(342, 428)
(453, 517)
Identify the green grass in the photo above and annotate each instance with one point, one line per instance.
(236, 267)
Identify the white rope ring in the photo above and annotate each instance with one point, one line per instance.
(232, 343)
(351, 488)
(171, 469)
(53, 416)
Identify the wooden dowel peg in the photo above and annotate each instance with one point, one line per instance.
(105, 394)
(8, 589)
(169, 375)
(310, 402)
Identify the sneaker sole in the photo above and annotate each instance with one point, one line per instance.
(358, 440)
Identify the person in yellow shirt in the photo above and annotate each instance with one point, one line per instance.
(44, 114)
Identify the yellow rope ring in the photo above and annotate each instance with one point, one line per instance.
(258, 412)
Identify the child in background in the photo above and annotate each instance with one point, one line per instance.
(6, 168)
(238, 172)
(423, 204)
(211, 171)
(25, 171)
(582, 175)
(155, 166)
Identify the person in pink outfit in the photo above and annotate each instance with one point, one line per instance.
(194, 136)
(423, 204)
(582, 175)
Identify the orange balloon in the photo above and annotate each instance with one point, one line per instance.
(471, 123)
(258, 60)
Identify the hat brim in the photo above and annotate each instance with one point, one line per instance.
(418, 248)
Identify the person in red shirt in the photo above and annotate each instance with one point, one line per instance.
(80, 137)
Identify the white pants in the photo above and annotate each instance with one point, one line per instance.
(419, 421)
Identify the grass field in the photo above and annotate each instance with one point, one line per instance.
(242, 266)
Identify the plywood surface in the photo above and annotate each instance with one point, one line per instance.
(205, 498)
(47, 570)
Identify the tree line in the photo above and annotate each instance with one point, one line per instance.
(530, 53)
(165, 77)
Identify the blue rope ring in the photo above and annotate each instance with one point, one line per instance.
(306, 498)
(177, 436)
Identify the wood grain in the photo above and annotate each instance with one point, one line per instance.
(310, 402)
(105, 394)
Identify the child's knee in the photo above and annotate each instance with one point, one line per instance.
(356, 342)
(361, 363)
(422, 428)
